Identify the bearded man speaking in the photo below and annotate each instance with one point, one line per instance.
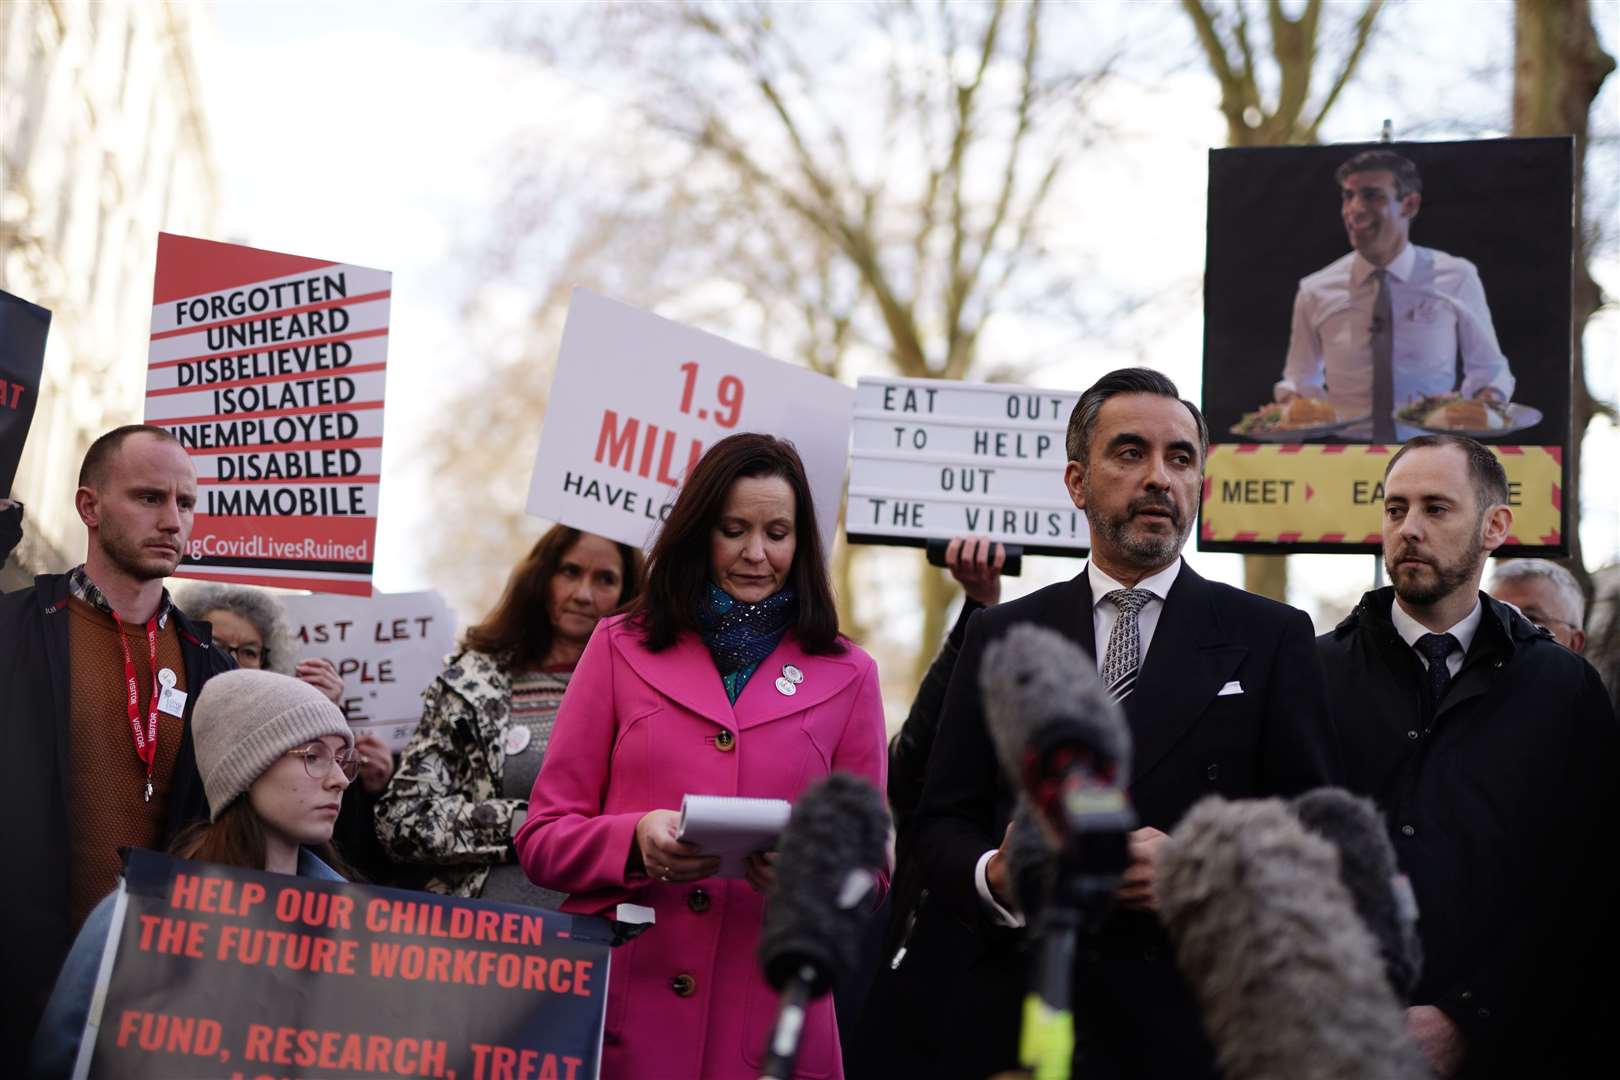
(1222, 694)
(1493, 753)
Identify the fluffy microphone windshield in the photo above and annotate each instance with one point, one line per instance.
(1032, 862)
(834, 846)
(1367, 867)
(1288, 978)
(1035, 680)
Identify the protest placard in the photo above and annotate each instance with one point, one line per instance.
(23, 327)
(218, 972)
(388, 648)
(936, 458)
(1352, 302)
(637, 399)
(270, 369)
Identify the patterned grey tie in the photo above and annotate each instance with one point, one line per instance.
(1383, 352)
(1124, 655)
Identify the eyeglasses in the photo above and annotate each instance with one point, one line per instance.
(252, 654)
(1542, 620)
(318, 758)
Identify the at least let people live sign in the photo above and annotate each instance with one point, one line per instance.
(387, 648)
(937, 458)
(636, 401)
(269, 369)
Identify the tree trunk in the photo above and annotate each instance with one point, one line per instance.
(1266, 575)
(843, 579)
(936, 590)
(1558, 68)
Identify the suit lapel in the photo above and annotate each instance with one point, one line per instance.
(684, 672)
(761, 701)
(1486, 654)
(1076, 613)
(1187, 663)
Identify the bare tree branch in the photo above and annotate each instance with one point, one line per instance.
(1347, 70)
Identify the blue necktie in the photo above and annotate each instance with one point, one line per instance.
(1435, 648)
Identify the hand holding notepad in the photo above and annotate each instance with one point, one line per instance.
(731, 827)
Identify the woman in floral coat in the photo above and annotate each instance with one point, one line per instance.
(461, 790)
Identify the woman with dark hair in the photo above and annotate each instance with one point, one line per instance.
(462, 786)
(727, 678)
(275, 756)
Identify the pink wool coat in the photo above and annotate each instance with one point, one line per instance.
(638, 730)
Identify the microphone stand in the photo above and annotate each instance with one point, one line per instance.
(782, 1051)
(1091, 865)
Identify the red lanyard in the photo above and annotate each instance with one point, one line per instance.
(145, 741)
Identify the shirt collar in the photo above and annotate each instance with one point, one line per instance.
(81, 587)
(1158, 584)
(1410, 629)
(1400, 269)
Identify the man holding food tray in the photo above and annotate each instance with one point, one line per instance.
(1385, 324)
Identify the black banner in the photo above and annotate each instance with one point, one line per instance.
(219, 972)
(23, 327)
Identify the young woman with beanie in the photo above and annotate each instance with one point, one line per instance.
(251, 624)
(275, 756)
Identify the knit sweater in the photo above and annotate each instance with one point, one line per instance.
(105, 777)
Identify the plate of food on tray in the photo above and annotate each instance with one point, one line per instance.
(1295, 420)
(1478, 418)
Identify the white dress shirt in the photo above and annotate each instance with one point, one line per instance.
(1439, 309)
(1103, 616)
(1410, 630)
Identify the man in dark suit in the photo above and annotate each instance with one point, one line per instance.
(1492, 751)
(1223, 695)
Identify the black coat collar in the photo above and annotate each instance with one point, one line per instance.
(1502, 631)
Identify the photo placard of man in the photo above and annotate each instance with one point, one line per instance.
(100, 671)
(1492, 751)
(1222, 694)
(1387, 322)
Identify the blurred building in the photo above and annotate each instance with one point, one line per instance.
(104, 142)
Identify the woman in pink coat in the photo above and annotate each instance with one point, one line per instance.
(727, 677)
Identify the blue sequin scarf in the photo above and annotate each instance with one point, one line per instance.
(739, 635)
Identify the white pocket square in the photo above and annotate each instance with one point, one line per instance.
(1233, 687)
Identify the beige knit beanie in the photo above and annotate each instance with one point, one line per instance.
(246, 720)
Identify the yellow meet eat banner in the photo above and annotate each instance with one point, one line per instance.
(1328, 494)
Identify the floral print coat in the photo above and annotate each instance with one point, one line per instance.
(443, 808)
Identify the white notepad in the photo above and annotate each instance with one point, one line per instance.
(732, 827)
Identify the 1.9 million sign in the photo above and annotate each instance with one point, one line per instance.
(637, 400)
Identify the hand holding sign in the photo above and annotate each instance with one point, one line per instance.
(976, 565)
(320, 674)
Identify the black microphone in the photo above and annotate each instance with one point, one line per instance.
(1060, 736)
(830, 855)
(1062, 740)
(1382, 894)
(1288, 977)
(1031, 862)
